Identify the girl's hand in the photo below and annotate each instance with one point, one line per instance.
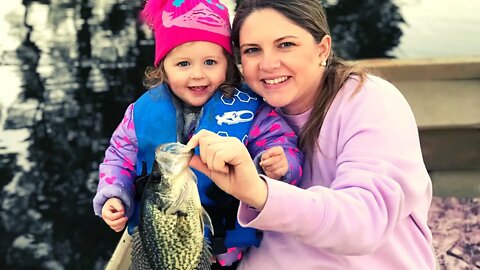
(113, 214)
(227, 162)
(274, 162)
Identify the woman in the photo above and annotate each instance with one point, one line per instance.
(365, 191)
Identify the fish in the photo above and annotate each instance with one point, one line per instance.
(170, 233)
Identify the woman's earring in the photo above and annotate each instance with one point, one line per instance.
(323, 63)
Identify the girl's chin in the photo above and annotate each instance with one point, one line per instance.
(197, 104)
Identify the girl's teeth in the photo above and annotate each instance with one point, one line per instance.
(197, 88)
(277, 80)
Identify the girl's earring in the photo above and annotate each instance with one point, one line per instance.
(323, 63)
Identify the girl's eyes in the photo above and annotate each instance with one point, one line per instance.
(183, 64)
(210, 62)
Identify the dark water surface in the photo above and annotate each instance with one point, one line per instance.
(68, 70)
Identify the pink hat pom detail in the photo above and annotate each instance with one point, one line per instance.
(151, 12)
(175, 22)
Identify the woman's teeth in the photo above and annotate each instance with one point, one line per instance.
(277, 80)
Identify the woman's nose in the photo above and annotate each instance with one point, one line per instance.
(269, 62)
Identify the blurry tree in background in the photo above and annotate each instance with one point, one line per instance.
(81, 63)
(363, 29)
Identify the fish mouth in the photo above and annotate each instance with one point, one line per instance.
(173, 158)
(176, 148)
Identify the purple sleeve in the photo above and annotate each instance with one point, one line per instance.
(117, 171)
(269, 130)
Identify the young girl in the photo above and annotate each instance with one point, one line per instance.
(193, 87)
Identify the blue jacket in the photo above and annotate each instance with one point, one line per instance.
(154, 113)
(156, 122)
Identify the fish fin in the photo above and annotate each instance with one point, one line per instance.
(206, 256)
(206, 221)
(188, 188)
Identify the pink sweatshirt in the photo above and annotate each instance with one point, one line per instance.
(364, 203)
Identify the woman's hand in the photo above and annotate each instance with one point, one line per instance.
(113, 214)
(227, 162)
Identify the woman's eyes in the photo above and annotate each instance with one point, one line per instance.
(286, 44)
(250, 50)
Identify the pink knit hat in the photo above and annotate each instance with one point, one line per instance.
(175, 22)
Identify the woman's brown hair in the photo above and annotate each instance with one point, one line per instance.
(156, 75)
(310, 15)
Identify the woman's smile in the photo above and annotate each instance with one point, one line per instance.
(276, 80)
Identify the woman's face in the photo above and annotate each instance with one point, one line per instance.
(281, 60)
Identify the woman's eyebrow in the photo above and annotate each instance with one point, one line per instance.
(275, 41)
(247, 45)
(282, 38)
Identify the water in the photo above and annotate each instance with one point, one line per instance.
(69, 69)
(438, 28)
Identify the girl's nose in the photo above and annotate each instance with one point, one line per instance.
(197, 73)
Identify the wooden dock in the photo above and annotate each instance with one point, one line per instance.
(445, 97)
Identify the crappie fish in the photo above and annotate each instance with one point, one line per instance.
(170, 234)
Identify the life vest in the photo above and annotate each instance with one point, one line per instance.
(156, 115)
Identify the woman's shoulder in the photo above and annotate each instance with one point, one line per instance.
(368, 100)
(372, 90)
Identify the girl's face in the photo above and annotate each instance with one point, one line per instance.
(195, 70)
(281, 60)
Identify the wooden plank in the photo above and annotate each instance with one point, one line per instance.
(121, 257)
(444, 95)
(424, 69)
(451, 148)
(438, 103)
(458, 184)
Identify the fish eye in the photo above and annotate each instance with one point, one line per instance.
(181, 214)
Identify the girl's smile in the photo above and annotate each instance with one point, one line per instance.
(195, 70)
